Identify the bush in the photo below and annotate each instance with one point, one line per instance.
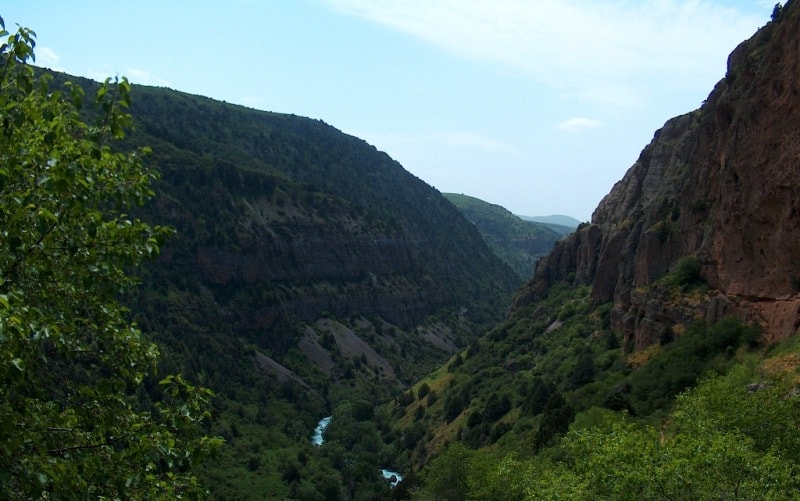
(254, 463)
(404, 399)
(496, 407)
(423, 390)
(687, 271)
(537, 395)
(583, 372)
(557, 416)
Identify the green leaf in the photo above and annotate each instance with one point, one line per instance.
(18, 364)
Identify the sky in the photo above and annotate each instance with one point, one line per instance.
(536, 105)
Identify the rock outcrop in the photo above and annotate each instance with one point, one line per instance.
(719, 184)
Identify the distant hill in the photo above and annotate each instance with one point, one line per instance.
(556, 219)
(517, 242)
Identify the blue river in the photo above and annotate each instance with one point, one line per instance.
(318, 438)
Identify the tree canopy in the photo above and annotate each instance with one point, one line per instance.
(75, 418)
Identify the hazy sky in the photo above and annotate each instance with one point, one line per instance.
(536, 105)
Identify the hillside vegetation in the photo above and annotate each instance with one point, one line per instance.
(561, 224)
(309, 272)
(82, 413)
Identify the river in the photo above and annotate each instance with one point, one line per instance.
(318, 438)
(393, 477)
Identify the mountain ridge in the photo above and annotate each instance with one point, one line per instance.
(310, 275)
(303, 284)
(554, 219)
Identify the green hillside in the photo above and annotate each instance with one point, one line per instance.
(654, 355)
(517, 242)
(555, 383)
(310, 275)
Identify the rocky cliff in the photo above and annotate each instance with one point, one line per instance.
(719, 184)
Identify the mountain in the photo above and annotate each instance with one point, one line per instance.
(647, 336)
(274, 199)
(517, 242)
(716, 186)
(310, 275)
(555, 219)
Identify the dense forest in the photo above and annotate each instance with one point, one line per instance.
(310, 275)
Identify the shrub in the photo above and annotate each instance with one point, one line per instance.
(496, 407)
(423, 390)
(583, 372)
(557, 416)
(687, 271)
(679, 364)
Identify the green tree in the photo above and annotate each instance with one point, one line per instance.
(638, 462)
(447, 476)
(423, 390)
(720, 442)
(583, 372)
(777, 10)
(556, 418)
(71, 361)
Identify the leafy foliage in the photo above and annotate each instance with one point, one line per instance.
(448, 476)
(518, 386)
(686, 273)
(562, 369)
(72, 365)
(282, 222)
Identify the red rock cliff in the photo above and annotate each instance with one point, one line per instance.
(721, 183)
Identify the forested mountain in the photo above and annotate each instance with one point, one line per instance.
(517, 242)
(654, 354)
(308, 271)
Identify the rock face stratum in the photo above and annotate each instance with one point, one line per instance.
(721, 184)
